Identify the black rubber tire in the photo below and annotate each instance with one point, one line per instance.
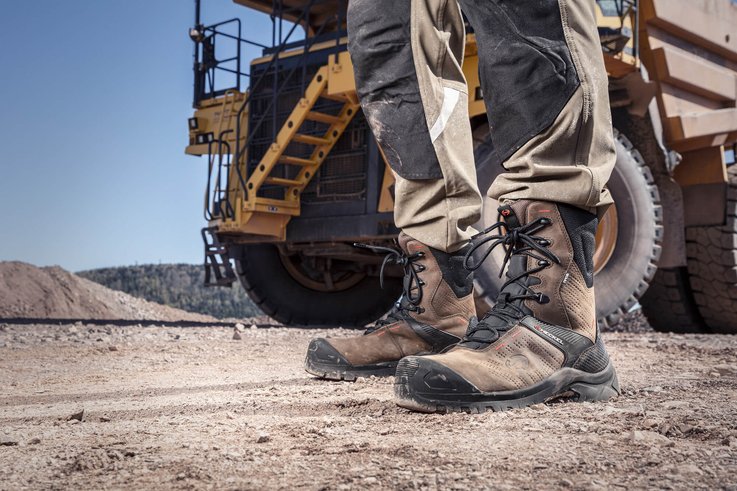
(712, 266)
(626, 276)
(669, 303)
(268, 283)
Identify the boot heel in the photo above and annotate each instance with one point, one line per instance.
(599, 391)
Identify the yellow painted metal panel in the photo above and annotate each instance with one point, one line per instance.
(707, 23)
(722, 121)
(703, 166)
(688, 47)
(690, 72)
(340, 74)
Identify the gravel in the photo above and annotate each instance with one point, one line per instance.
(186, 408)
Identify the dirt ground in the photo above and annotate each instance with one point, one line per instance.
(193, 408)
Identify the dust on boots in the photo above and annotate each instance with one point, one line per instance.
(431, 315)
(540, 340)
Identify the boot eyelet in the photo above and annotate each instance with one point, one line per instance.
(543, 263)
(542, 298)
(546, 221)
(544, 242)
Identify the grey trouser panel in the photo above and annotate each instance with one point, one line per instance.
(545, 87)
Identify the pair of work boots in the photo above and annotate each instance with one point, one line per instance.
(538, 343)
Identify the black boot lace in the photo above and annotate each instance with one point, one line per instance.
(520, 243)
(412, 285)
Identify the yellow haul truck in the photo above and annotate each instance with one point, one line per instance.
(295, 176)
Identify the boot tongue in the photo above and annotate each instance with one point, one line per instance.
(503, 315)
(517, 266)
(514, 214)
(505, 312)
(403, 305)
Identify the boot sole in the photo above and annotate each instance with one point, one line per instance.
(566, 384)
(326, 362)
(349, 374)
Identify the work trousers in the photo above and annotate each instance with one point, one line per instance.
(544, 85)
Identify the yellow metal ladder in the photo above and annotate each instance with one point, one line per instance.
(289, 133)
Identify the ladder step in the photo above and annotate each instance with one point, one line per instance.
(335, 97)
(283, 182)
(276, 202)
(323, 118)
(287, 159)
(310, 140)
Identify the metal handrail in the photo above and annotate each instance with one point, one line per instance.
(271, 68)
(241, 180)
(208, 211)
(200, 33)
(224, 195)
(217, 192)
(274, 63)
(255, 85)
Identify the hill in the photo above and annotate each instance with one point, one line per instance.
(27, 291)
(177, 285)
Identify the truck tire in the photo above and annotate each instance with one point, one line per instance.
(277, 288)
(712, 266)
(669, 303)
(631, 249)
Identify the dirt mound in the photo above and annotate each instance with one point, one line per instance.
(54, 293)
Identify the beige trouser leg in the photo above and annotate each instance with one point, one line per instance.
(572, 160)
(441, 212)
(543, 77)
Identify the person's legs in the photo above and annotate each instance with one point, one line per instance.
(546, 90)
(547, 100)
(406, 57)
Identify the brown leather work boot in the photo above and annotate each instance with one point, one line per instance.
(540, 341)
(431, 315)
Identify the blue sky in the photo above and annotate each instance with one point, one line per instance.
(95, 99)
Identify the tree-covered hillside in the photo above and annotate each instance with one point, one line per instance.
(177, 285)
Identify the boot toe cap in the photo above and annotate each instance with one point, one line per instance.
(321, 353)
(420, 376)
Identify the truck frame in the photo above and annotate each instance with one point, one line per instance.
(294, 175)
